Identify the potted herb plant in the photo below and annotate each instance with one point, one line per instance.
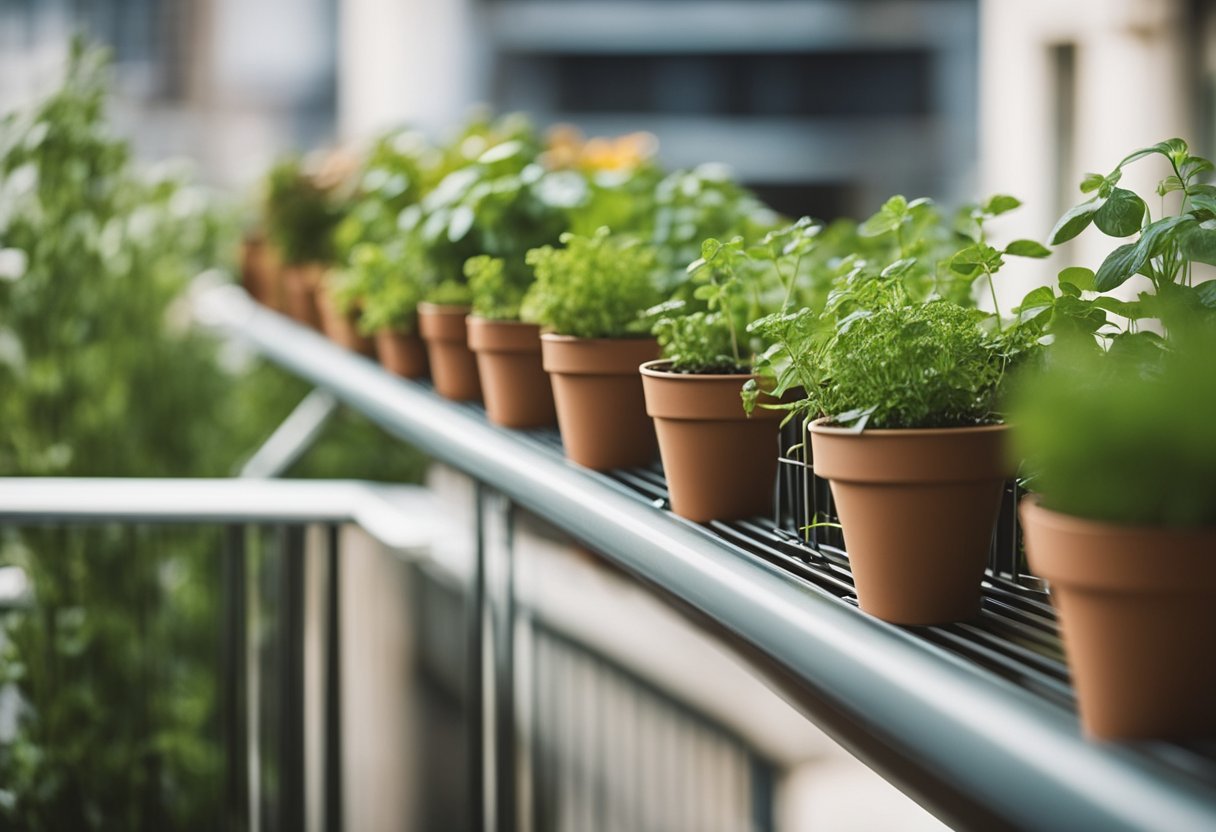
(720, 459)
(515, 385)
(1116, 434)
(339, 305)
(1122, 524)
(302, 211)
(909, 434)
(388, 280)
(589, 296)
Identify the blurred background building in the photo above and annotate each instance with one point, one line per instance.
(824, 106)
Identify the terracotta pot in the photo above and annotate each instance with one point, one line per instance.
(917, 509)
(601, 408)
(1136, 612)
(720, 464)
(513, 378)
(300, 284)
(402, 353)
(259, 270)
(453, 366)
(342, 327)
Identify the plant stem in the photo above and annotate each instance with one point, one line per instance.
(992, 291)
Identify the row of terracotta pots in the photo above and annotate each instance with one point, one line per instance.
(615, 404)
(917, 506)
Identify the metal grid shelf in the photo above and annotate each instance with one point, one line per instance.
(1016, 637)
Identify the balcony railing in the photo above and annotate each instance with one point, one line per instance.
(975, 721)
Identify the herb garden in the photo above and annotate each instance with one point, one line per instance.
(669, 316)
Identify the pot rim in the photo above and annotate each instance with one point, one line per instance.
(566, 339)
(481, 320)
(652, 369)
(1076, 524)
(820, 426)
(443, 308)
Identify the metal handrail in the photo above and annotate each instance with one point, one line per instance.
(977, 750)
(380, 510)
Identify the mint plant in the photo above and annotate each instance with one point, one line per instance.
(594, 287)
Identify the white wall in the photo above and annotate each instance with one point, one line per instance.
(406, 61)
(1130, 92)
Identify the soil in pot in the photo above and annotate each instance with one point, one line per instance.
(601, 408)
(300, 284)
(514, 383)
(402, 353)
(1135, 605)
(342, 327)
(720, 464)
(453, 365)
(917, 509)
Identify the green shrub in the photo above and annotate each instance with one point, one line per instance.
(595, 287)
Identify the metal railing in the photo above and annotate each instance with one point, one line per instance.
(264, 728)
(929, 708)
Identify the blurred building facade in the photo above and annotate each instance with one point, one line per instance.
(825, 106)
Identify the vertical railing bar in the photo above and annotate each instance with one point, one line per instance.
(234, 647)
(292, 790)
(333, 684)
(504, 724)
(476, 690)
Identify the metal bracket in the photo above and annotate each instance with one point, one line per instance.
(292, 438)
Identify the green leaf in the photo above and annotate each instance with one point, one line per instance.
(1074, 221)
(1203, 200)
(1038, 297)
(1078, 276)
(1175, 148)
(1207, 293)
(1121, 215)
(460, 222)
(1000, 204)
(1119, 265)
(1092, 182)
(1169, 184)
(1130, 258)
(899, 267)
(1128, 309)
(1198, 244)
(1027, 248)
(980, 256)
(1069, 289)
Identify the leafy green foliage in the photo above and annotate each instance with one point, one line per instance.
(595, 287)
(1124, 435)
(102, 376)
(494, 297)
(889, 348)
(920, 365)
(301, 213)
(450, 293)
(389, 284)
(736, 283)
(1167, 246)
